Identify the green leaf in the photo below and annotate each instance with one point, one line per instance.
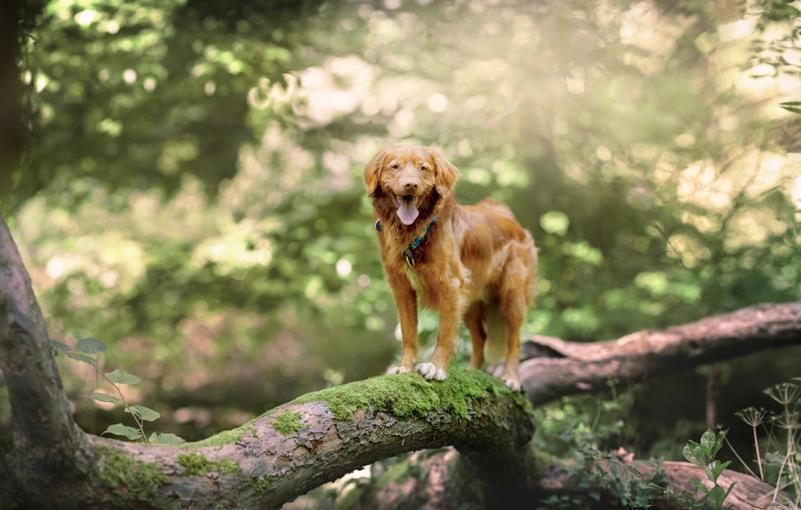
(731, 488)
(90, 345)
(170, 439)
(79, 356)
(698, 485)
(143, 412)
(708, 439)
(118, 429)
(123, 377)
(60, 346)
(104, 397)
(793, 109)
(694, 453)
(717, 495)
(716, 468)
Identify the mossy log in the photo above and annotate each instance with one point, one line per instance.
(49, 462)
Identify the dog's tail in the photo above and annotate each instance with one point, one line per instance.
(497, 331)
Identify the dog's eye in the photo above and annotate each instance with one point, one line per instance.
(424, 167)
(395, 166)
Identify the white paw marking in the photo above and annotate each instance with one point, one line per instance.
(512, 383)
(431, 371)
(399, 369)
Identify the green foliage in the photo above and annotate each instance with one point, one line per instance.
(287, 423)
(92, 348)
(410, 395)
(703, 454)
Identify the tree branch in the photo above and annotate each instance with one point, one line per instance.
(303, 444)
(555, 368)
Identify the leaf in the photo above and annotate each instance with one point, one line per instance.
(123, 377)
(716, 468)
(105, 397)
(79, 356)
(170, 439)
(717, 495)
(118, 429)
(143, 412)
(694, 453)
(60, 346)
(793, 109)
(90, 345)
(708, 442)
(731, 488)
(698, 485)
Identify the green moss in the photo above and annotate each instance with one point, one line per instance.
(196, 464)
(410, 395)
(223, 438)
(287, 423)
(119, 469)
(262, 483)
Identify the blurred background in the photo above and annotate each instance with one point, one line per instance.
(191, 192)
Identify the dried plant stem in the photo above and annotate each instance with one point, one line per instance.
(759, 458)
(731, 447)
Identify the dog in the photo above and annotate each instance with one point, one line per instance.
(470, 262)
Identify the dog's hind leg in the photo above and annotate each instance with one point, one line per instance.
(513, 306)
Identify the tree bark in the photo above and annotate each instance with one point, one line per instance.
(554, 367)
(321, 436)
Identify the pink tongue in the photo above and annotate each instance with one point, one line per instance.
(407, 211)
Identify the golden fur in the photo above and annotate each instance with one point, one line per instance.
(477, 263)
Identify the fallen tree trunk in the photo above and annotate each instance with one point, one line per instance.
(440, 486)
(554, 367)
(50, 462)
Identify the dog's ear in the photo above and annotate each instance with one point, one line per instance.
(445, 173)
(372, 173)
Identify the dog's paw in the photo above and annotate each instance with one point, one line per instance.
(398, 369)
(512, 383)
(431, 371)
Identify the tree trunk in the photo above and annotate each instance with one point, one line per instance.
(323, 435)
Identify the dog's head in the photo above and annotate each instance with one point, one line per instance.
(411, 177)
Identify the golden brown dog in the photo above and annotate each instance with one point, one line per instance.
(473, 262)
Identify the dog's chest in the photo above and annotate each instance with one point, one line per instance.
(416, 280)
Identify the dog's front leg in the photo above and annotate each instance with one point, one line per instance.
(406, 301)
(449, 315)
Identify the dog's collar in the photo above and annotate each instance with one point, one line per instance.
(408, 253)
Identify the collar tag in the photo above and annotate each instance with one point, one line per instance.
(408, 254)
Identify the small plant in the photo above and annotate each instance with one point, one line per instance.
(88, 350)
(703, 455)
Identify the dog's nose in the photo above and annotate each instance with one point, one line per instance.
(410, 186)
